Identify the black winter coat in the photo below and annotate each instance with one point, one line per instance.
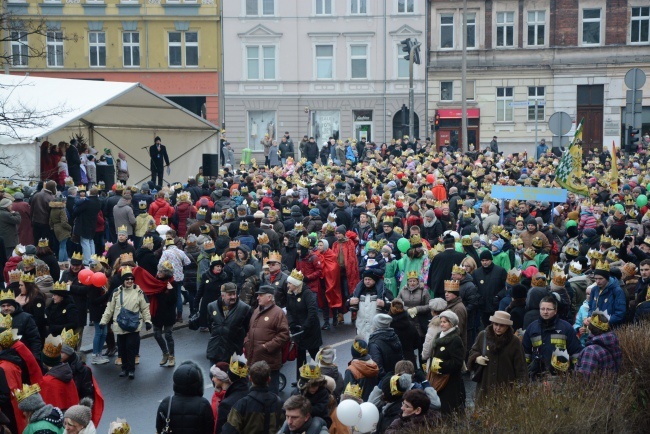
(440, 270)
(451, 351)
(62, 315)
(36, 308)
(209, 291)
(79, 294)
(26, 326)
(97, 301)
(407, 334)
(147, 259)
(82, 376)
(85, 217)
(302, 315)
(166, 311)
(236, 391)
(227, 333)
(489, 282)
(385, 349)
(190, 271)
(190, 412)
(53, 263)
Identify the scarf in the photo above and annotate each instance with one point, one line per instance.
(443, 334)
(151, 286)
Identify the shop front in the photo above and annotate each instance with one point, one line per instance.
(449, 132)
(362, 124)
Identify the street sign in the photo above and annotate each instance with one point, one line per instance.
(518, 104)
(540, 103)
(635, 78)
(553, 195)
(559, 123)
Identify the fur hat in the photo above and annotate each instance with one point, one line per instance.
(451, 316)
(438, 304)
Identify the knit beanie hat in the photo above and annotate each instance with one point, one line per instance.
(80, 413)
(382, 321)
(485, 255)
(220, 371)
(341, 229)
(326, 355)
(314, 212)
(31, 403)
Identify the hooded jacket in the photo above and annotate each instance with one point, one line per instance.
(602, 354)
(58, 387)
(190, 413)
(611, 299)
(123, 216)
(385, 349)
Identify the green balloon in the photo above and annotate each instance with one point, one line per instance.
(619, 207)
(403, 245)
(642, 200)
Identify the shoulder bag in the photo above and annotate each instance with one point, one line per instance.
(128, 320)
(477, 373)
(167, 429)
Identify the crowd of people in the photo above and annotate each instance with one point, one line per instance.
(441, 281)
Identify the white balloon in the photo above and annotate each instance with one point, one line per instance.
(349, 412)
(369, 418)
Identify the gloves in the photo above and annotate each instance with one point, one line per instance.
(413, 311)
(482, 360)
(148, 326)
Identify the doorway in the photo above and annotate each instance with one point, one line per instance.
(401, 124)
(590, 100)
(361, 130)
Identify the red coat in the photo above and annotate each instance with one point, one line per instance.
(184, 211)
(159, 208)
(58, 393)
(209, 206)
(350, 258)
(14, 381)
(439, 192)
(11, 265)
(25, 234)
(331, 279)
(312, 268)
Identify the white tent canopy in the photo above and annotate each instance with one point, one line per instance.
(124, 117)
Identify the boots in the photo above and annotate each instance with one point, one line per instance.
(171, 362)
(164, 360)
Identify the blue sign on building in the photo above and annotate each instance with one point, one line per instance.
(529, 193)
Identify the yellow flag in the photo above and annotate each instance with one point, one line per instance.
(613, 174)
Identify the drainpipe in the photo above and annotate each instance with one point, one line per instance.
(427, 21)
(385, 69)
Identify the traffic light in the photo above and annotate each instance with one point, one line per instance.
(406, 47)
(436, 122)
(632, 140)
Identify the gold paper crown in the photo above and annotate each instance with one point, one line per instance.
(513, 277)
(519, 219)
(166, 266)
(560, 360)
(121, 229)
(372, 245)
(164, 220)
(70, 338)
(234, 244)
(298, 227)
(559, 279)
(466, 240)
(275, 257)
(263, 239)
(26, 277)
(537, 242)
(304, 242)
(81, 188)
(415, 240)
(452, 285)
(575, 267)
(119, 186)
(602, 266)
(202, 211)
(14, 276)
(353, 390)
(629, 202)
(126, 270)
(126, 257)
(29, 260)
(310, 372)
(7, 295)
(60, 286)
(612, 256)
(238, 365)
(413, 274)
(8, 338)
(5, 321)
(538, 280)
(296, 274)
(596, 322)
(530, 253)
(594, 254)
(52, 347)
(458, 269)
(208, 245)
(77, 256)
(496, 230)
(617, 243)
(215, 258)
(243, 225)
(605, 239)
(147, 240)
(629, 232)
(394, 386)
(571, 250)
(43, 242)
(26, 391)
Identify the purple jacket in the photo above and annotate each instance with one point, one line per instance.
(602, 353)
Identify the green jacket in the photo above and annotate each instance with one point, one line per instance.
(42, 427)
(502, 260)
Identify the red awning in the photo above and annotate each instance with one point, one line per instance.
(458, 113)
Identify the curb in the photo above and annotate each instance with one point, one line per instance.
(87, 349)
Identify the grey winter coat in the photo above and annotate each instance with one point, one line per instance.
(9, 221)
(123, 215)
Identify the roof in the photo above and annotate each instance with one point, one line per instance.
(55, 103)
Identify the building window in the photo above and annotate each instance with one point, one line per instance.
(446, 31)
(324, 61)
(54, 49)
(260, 123)
(640, 25)
(402, 63)
(469, 90)
(536, 93)
(504, 107)
(260, 62)
(505, 29)
(591, 26)
(183, 49)
(536, 28)
(471, 30)
(323, 7)
(131, 49)
(358, 7)
(405, 6)
(260, 7)
(325, 124)
(97, 45)
(358, 61)
(19, 48)
(446, 91)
